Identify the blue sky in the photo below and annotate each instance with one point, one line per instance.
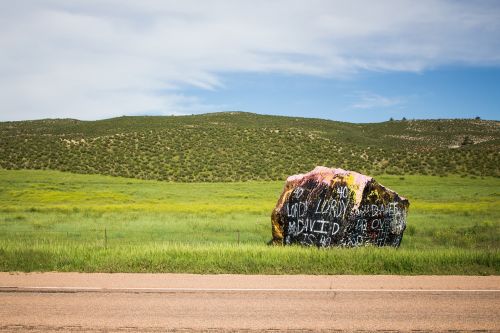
(459, 92)
(357, 61)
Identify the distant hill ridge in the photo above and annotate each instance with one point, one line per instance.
(239, 146)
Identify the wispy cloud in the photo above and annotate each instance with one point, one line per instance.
(95, 59)
(367, 100)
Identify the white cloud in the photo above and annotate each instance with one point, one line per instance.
(367, 100)
(96, 59)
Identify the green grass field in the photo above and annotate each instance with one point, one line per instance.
(55, 221)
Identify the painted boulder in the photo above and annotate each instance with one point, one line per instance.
(334, 207)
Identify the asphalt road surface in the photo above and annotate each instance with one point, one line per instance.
(50, 302)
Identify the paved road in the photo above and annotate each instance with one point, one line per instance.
(44, 302)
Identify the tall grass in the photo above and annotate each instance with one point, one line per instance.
(245, 259)
(60, 221)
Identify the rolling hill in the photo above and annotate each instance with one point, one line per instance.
(239, 146)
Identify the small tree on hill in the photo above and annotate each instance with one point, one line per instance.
(467, 141)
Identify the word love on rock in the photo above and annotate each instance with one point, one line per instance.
(334, 207)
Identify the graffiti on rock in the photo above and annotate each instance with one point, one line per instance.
(330, 207)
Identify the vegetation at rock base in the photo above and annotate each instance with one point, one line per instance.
(237, 146)
(56, 221)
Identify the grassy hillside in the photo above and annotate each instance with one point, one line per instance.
(236, 146)
(65, 222)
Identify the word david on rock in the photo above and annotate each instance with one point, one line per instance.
(333, 207)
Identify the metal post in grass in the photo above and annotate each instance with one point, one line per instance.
(238, 237)
(105, 239)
